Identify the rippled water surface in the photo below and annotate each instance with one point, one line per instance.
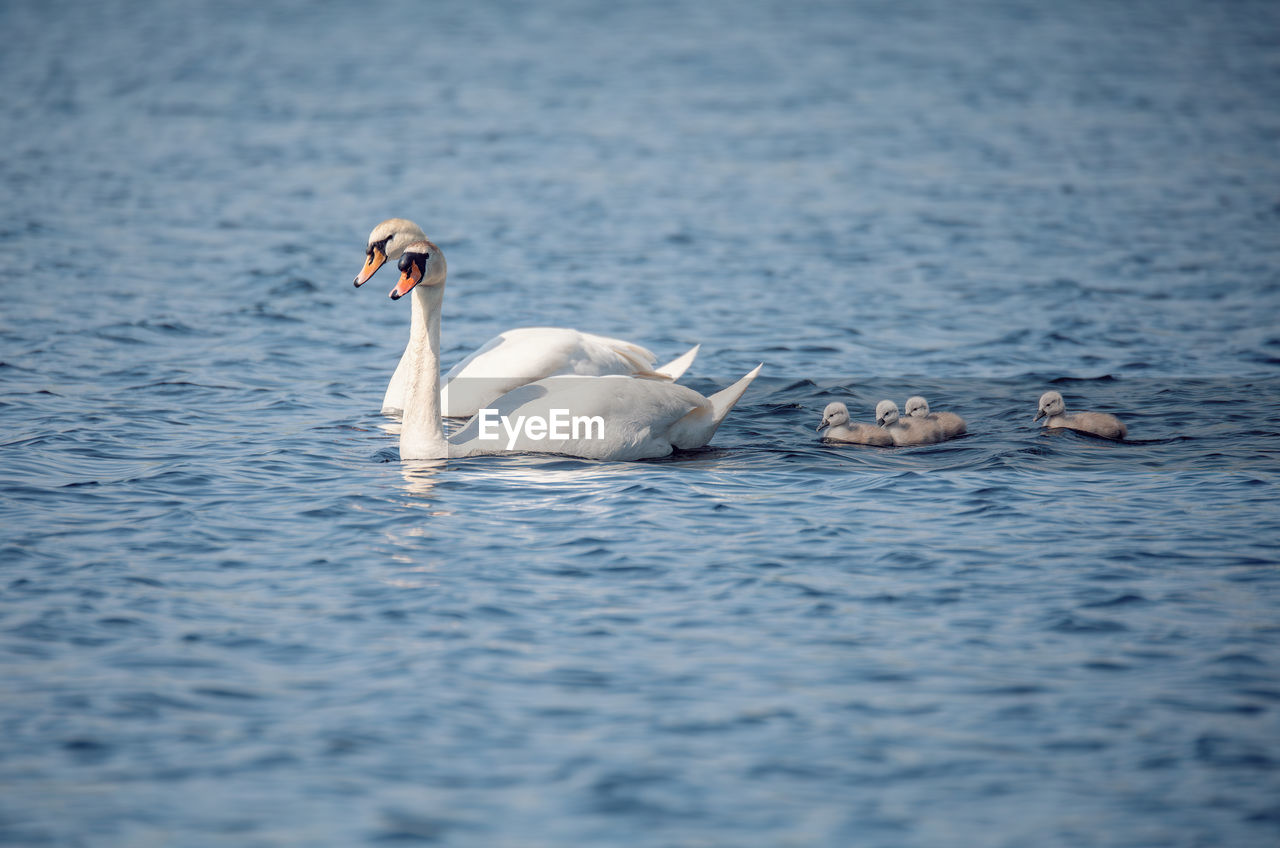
(229, 615)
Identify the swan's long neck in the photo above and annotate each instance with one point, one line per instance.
(421, 433)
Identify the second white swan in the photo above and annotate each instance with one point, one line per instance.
(512, 358)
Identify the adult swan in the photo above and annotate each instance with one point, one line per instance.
(511, 359)
(624, 418)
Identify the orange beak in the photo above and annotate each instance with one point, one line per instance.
(408, 280)
(372, 263)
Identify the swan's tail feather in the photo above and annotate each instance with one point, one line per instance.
(724, 400)
(639, 358)
(675, 369)
(652, 375)
(697, 427)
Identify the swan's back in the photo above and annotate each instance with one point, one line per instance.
(618, 417)
(550, 351)
(525, 354)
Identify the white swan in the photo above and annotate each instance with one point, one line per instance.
(624, 418)
(512, 358)
(950, 424)
(836, 418)
(911, 431)
(1095, 423)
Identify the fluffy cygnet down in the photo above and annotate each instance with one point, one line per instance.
(1094, 423)
(950, 424)
(910, 431)
(835, 418)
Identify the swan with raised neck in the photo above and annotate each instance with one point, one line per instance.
(512, 358)
(423, 271)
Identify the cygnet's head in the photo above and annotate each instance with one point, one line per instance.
(834, 415)
(1050, 404)
(886, 413)
(422, 263)
(387, 241)
(916, 407)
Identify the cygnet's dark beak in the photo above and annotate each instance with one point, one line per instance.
(825, 424)
(1039, 415)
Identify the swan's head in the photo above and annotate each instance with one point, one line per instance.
(886, 413)
(387, 241)
(1050, 404)
(917, 407)
(421, 263)
(834, 415)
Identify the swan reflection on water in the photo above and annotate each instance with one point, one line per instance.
(528, 473)
(420, 478)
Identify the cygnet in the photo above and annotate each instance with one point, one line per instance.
(949, 423)
(836, 419)
(1093, 423)
(911, 431)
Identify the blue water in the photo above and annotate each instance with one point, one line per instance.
(229, 615)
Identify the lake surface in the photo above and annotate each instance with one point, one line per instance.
(229, 615)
